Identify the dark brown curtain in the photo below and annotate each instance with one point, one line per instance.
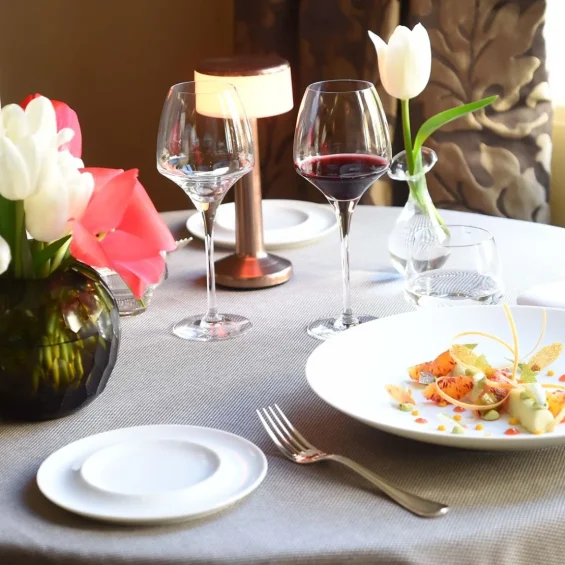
(494, 162)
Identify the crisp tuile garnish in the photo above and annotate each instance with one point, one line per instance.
(400, 395)
(464, 355)
(546, 356)
(470, 346)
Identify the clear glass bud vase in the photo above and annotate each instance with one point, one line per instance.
(419, 211)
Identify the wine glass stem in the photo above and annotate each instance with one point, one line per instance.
(208, 217)
(344, 211)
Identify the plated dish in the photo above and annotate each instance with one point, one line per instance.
(486, 377)
(464, 380)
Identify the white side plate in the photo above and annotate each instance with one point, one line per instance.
(350, 371)
(286, 223)
(152, 474)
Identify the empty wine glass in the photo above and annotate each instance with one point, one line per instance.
(342, 146)
(204, 146)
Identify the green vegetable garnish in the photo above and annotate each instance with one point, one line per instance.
(406, 407)
(482, 363)
(527, 374)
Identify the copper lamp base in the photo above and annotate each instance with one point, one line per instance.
(252, 271)
(251, 266)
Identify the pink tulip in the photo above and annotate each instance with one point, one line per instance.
(122, 230)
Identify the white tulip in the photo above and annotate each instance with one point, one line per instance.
(41, 118)
(14, 122)
(5, 255)
(62, 195)
(26, 136)
(15, 181)
(405, 63)
(79, 185)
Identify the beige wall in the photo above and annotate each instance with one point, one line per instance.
(112, 61)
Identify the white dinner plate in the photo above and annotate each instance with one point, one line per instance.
(152, 474)
(286, 223)
(350, 371)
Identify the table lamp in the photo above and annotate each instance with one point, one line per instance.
(265, 88)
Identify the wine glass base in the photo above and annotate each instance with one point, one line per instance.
(328, 327)
(196, 329)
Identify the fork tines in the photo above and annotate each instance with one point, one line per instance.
(285, 436)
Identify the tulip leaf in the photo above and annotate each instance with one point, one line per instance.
(42, 256)
(7, 227)
(26, 258)
(7, 216)
(439, 120)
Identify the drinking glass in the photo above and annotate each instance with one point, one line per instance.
(342, 146)
(204, 146)
(453, 266)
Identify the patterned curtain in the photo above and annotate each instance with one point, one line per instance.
(495, 162)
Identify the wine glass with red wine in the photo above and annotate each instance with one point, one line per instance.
(342, 146)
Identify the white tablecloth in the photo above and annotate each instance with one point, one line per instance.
(506, 508)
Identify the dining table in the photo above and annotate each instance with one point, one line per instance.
(505, 507)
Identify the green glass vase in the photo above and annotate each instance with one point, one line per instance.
(59, 340)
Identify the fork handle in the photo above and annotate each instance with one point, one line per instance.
(416, 504)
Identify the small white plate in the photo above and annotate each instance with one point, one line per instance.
(350, 371)
(152, 474)
(286, 223)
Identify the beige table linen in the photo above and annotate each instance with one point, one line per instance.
(507, 508)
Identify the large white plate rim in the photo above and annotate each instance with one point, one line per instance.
(519, 442)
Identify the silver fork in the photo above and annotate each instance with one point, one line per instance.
(299, 450)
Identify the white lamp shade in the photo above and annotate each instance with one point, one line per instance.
(266, 94)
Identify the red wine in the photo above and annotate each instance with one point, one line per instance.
(344, 176)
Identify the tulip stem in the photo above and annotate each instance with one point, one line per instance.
(407, 135)
(18, 227)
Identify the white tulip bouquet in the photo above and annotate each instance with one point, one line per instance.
(405, 67)
(54, 211)
(41, 182)
(59, 222)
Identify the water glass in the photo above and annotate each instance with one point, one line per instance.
(453, 266)
(128, 304)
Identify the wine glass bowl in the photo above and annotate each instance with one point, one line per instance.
(341, 146)
(204, 146)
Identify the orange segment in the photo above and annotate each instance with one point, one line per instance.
(455, 387)
(439, 367)
(556, 401)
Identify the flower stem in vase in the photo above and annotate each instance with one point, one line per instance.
(405, 106)
(419, 212)
(419, 191)
(18, 225)
(405, 65)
